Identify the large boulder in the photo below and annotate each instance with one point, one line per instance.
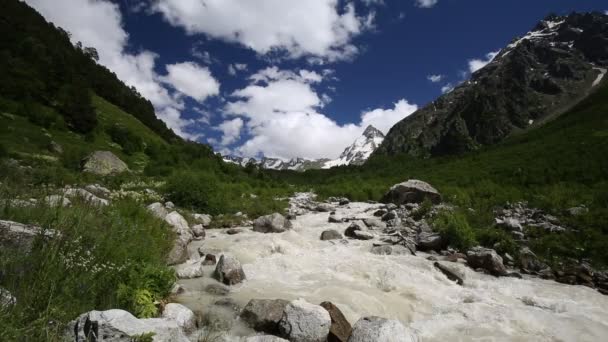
(430, 242)
(275, 223)
(178, 222)
(412, 191)
(158, 209)
(179, 252)
(340, 327)
(379, 329)
(121, 326)
(264, 314)
(487, 259)
(229, 270)
(183, 316)
(203, 219)
(191, 269)
(305, 322)
(14, 235)
(198, 230)
(104, 163)
(355, 226)
(374, 223)
(331, 234)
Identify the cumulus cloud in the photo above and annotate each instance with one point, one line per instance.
(233, 69)
(476, 64)
(317, 28)
(99, 24)
(231, 130)
(426, 3)
(192, 80)
(281, 110)
(434, 78)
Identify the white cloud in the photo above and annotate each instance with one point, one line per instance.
(231, 130)
(281, 109)
(318, 28)
(434, 78)
(426, 3)
(192, 80)
(236, 67)
(98, 24)
(476, 64)
(447, 88)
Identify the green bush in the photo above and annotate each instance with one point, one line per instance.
(129, 142)
(454, 227)
(199, 191)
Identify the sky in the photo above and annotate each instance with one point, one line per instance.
(295, 78)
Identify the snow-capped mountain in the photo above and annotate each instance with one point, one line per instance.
(355, 154)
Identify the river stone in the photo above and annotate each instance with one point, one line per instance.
(198, 230)
(430, 242)
(265, 338)
(487, 259)
(264, 314)
(209, 260)
(411, 191)
(374, 223)
(229, 271)
(183, 316)
(362, 235)
(217, 289)
(158, 210)
(275, 223)
(203, 219)
(191, 269)
(104, 163)
(451, 272)
(178, 222)
(391, 250)
(304, 322)
(353, 227)
(324, 208)
(331, 234)
(529, 262)
(178, 253)
(377, 329)
(334, 219)
(340, 327)
(121, 326)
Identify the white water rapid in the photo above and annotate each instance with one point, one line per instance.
(297, 264)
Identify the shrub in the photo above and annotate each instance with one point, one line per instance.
(199, 191)
(130, 142)
(454, 227)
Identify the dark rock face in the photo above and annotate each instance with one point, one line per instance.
(340, 329)
(430, 242)
(450, 272)
(264, 314)
(537, 76)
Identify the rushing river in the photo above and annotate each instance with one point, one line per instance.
(297, 264)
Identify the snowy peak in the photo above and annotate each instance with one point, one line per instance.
(372, 132)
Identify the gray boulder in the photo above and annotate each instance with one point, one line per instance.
(203, 219)
(333, 218)
(229, 271)
(183, 316)
(529, 262)
(275, 223)
(354, 227)
(14, 235)
(304, 322)
(264, 314)
(86, 196)
(198, 230)
(57, 201)
(487, 259)
(430, 242)
(412, 191)
(340, 327)
(331, 234)
(191, 269)
(158, 210)
(104, 163)
(379, 329)
(362, 235)
(374, 223)
(179, 252)
(391, 250)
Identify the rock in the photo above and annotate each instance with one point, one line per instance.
(274, 223)
(353, 227)
(265, 338)
(344, 201)
(104, 163)
(340, 328)
(529, 262)
(98, 190)
(120, 326)
(183, 316)
(217, 289)
(487, 259)
(304, 322)
(431, 258)
(229, 271)
(179, 252)
(178, 222)
(577, 211)
(54, 147)
(331, 234)
(234, 231)
(391, 215)
(6, 298)
(86, 196)
(455, 257)
(362, 235)
(334, 219)
(210, 260)
(198, 230)
(374, 223)
(57, 200)
(450, 272)
(380, 212)
(169, 205)
(17, 236)
(177, 289)
(324, 208)
(203, 219)
(411, 191)
(189, 270)
(379, 329)
(510, 224)
(430, 242)
(158, 210)
(391, 250)
(264, 314)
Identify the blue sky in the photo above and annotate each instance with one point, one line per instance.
(287, 78)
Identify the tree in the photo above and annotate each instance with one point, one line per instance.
(77, 108)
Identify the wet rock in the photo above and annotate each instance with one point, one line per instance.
(374, 223)
(274, 223)
(177, 289)
(391, 250)
(430, 241)
(431, 258)
(265, 338)
(264, 314)
(455, 257)
(189, 270)
(229, 271)
(198, 230)
(234, 231)
(380, 212)
(217, 289)
(487, 259)
(304, 322)
(104, 163)
(450, 272)
(362, 235)
(158, 210)
(344, 201)
(209, 260)
(354, 227)
(379, 329)
(391, 215)
(411, 191)
(323, 208)
(334, 219)
(331, 234)
(183, 316)
(340, 328)
(203, 219)
(119, 326)
(229, 304)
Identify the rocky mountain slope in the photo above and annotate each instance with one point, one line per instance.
(355, 154)
(536, 77)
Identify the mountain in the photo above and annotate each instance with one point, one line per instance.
(532, 80)
(355, 154)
